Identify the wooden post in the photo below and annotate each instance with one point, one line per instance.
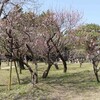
(10, 77)
(17, 72)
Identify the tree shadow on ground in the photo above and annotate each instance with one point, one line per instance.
(84, 80)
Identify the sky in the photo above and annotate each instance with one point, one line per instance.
(90, 9)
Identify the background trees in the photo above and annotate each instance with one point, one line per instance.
(90, 36)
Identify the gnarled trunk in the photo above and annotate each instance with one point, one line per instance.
(95, 64)
(45, 74)
(56, 65)
(60, 55)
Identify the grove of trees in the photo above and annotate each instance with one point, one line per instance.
(46, 37)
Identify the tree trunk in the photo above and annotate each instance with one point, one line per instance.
(96, 73)
(8, 62)
(21, 65)
(80, 64)
(56, 65)
(34, 78)
(0, 64)
(45, 74)
(36, 72)
(64, 63)
(61, 57)
(95, 64)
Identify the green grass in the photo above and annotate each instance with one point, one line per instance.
(77, 84)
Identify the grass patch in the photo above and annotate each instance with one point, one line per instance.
(78, 83)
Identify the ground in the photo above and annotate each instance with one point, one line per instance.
(77, 84)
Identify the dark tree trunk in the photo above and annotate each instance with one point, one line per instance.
(64, 63)
(80, 64)
(20, 70)
(45, 74)
(96, 73)
(8, 62)
(95, 64)
(34, 78)
(56, 66)
(34, 75)
(61, 57)
(0, 63)
(21, 65)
